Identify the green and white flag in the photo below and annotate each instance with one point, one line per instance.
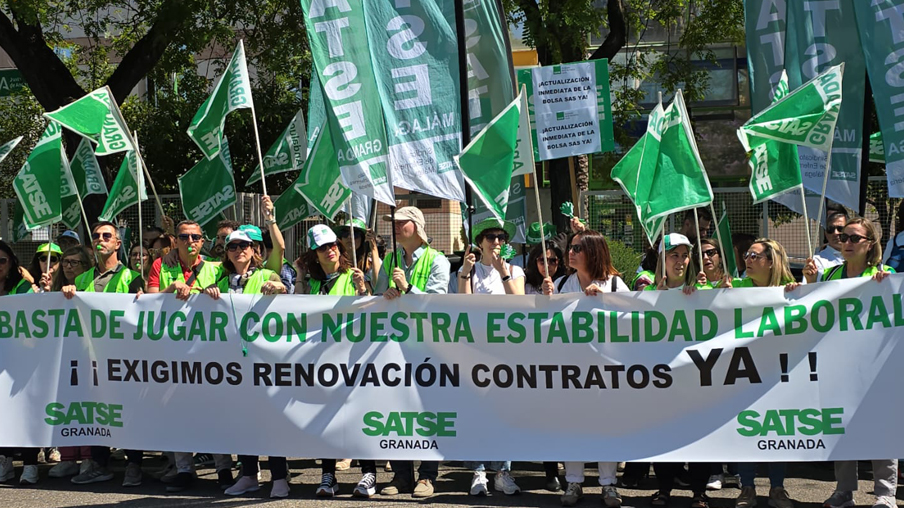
(38, 183)
(291, 208)
(86, 171)
(208, 188)
(316, 111)
(774, 166)
(487, 161)
(523, 163)
(765, 36)
(287, 153)
(876, 148)
(128, 188)
(232, 92)
(805, 117)
(71, 209)
(724, 236)
(320, 180)
(627, 173)
(7, 147)
(96, 117)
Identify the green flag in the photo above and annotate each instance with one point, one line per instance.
(316, 111)
(805, 117)
(8, 147)
(38, 183)
(71, 210)
(96, 117)
(208, 188)
(487, 161)
(320, 180)
(86, 177)
(626, 173)
(724, 236)
(876, 148)
(287, 153)
(774, 166)
(291, 208)
(232, 92)
(128, 188)
(20, 228)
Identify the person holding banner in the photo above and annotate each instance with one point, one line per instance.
(860, 251)
(75, 261)
(415, 268)
(328, 265)
(38, 268)
(365, 247)
(680, 267)
(712, 263)
(590, 272)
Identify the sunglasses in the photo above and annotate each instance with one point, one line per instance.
(71, 262)
(345, 233)
(576, 248)
(496, 236)
(710, 252)
(106, 236)
(53, 259)
(852, 238)
(552, 261)
(193, 237)
(234, 246)
(753, 256)
(834, 229)
(327, 246)
(3, 261)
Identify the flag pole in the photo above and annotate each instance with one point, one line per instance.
(699, 239)
(257, 136)
(712, 210)
(463, 99)
(822, 198)
(395, 247)
(803, 200)
(351, 229)
(140, 225)
(662, 242)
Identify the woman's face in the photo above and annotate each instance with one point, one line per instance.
(72, 267)
(851, 251)
(239, 252)
(138, 257)
(553, 261)
(711, 261)
(54, 261)
(346, 235)
(676, 262)
(5, 263)
(492, 240)
(328, 254)
(759, 267)
(576, 254)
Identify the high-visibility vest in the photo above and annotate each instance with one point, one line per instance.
(344, 286)
(119, 283)
(421, 272)
(252, 286)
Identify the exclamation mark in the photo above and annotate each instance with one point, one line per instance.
(73, 374)
(94, 368)
(783, 360)
(812, 358)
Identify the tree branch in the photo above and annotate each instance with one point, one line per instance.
(618, 32)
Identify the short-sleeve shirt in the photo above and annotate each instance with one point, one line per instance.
(486, 279)
(573, 285)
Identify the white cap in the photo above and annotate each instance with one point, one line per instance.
(320, 235)
(673, 240)
(238, 235)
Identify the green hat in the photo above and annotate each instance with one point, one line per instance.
(354, 223)
(52, 247)
(253, 232)
(494, 223)
(533, 233)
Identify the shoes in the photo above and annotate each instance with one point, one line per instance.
(133, 475)
(553, 484)
(343, 465)
(398, 485)
(225, 479)
(611, 497)
(715, 482)
(885, 502)
(29, 475)
(747, 498)
(243, 485)
(839, 499)
(423, 488)
(169, 473)
(367, 486)
(64, 469)
(479, 484)
(329, 487)
(506, 484)
(181, 482)
(630, 482)
(573, 494)
(280, 489)
(779, 498)
(203, 460)
(93, 474)
(7, 472)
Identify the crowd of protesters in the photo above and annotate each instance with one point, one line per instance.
(348, 260)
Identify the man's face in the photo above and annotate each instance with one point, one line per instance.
(834, 230)
(189, 241)
(105, 240)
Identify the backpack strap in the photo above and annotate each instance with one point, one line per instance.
(562, 283)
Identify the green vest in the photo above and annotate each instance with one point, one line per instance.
(21, 288)
(746, 282)
(118, 284)
(344, 286)
(252, 286)
(208, 275)
(421, 272)
(837, 272)
(650, 275)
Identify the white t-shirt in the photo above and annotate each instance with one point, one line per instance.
(827, 258)
(487, 281)
(573, 285)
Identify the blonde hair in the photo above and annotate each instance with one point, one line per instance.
(690, 273)
(781, 268)
(874, 254)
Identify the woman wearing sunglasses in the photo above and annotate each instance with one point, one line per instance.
(38, 267)
(365, 245)
(860, 250)
(712, 264)
(590, 272)
(536, 270)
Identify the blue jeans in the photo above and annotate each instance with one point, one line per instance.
(747, 470)
(492, 466)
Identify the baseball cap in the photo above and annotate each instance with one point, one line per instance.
(320, 235)
(253, 232)
(673, 240)
(238, 236)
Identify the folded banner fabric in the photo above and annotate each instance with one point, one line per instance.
(735, 375)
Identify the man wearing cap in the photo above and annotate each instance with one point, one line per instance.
(68, 239)
(414, 268)
(109, 276)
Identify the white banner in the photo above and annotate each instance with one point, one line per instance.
(719, 376)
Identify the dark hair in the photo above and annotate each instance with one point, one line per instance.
(85, 255)
(34, 268)
(479, 239)
(532, 276)
(266, 239)
(313, 263)
(256, 262)
(146, 268)
(596, 252)
(103, 223)
(13, 277)
(742, 243)
(703, 213)
(227, 223)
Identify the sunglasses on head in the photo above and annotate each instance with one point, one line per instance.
(502, 237)
(710, 252)
(234, 246)
(106, 236)
(834, 229)
(345, 233)
(327, 246)
(852, 238)
(193, 237)
(576, 248)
